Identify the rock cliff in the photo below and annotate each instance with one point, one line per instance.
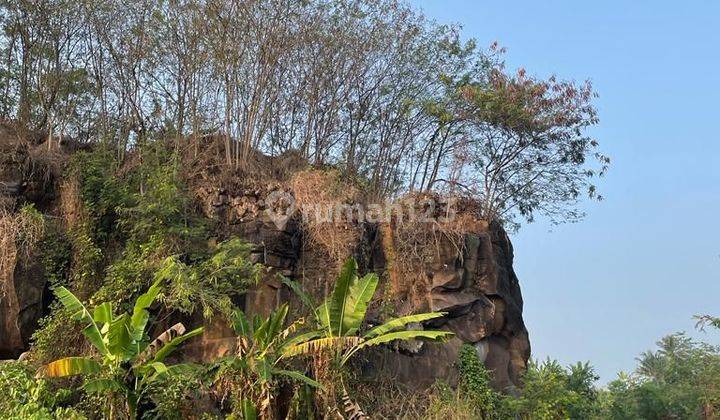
(467, 273)
(463, 267)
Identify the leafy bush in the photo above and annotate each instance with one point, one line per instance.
(447, 403)
(338, 335)
(553, 392)
(475, 382)
(24, 397)
(210, 284)
(253, 375)
(56, 255)
(177, 396)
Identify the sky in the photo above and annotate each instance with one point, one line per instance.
(647, 258)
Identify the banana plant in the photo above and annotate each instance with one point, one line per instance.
(257, 358)
(127, 361)
(342, 314)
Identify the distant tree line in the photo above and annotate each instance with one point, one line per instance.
(371, 86)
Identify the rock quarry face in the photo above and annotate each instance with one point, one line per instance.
(473, 283)
(22, 282)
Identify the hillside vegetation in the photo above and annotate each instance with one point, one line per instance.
(288, 209)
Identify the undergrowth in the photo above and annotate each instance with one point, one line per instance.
(122, 227)
(24, 397)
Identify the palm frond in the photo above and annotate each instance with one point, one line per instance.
(338, 302)
(351, 408)
(305, 298)
(102, 385)
(120, 337)
(360, 293)
(406, 335)
(398, 335)
(240, 324)
(140, 314)
(293, 374)
(174, 343)
(103, 313)
(172, 332)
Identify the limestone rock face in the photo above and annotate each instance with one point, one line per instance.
(20, 293)
(25, 177)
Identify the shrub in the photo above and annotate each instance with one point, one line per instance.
(475, 381)
(24, 397)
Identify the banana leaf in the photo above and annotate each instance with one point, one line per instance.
(70, 366)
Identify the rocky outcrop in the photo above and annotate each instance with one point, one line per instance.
(474, 283)
(464, 270)
(476, 286)
(29, 169)
(21, 306)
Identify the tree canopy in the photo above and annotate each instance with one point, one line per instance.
(371, 86)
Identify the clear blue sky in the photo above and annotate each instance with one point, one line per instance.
(647, 259)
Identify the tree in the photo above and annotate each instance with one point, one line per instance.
(553, 392)
(679, 380)
(128, 361)
(522, 148)
(370, 86)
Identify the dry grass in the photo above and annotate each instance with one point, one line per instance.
(331, 236)
(71, 205)
(19, 233)
(318, 194)
(389, 400)
(45, 165)
(411, 244)
(386, 399)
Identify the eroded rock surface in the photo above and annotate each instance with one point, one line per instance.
(474, 283)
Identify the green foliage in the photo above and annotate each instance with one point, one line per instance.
(553, 392)
(56, 255)
(102, 192)
(211, 284)
(474, 398)
(24, 397)
(705, 320)
(150, 215)
(127, 361)
(340, 317)
(252, 375)
(475, 382)
(56, 335)
(679, 380)
(145, 221)
(446, 403)
(174, 396)
(581, 378)
(159, 204)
